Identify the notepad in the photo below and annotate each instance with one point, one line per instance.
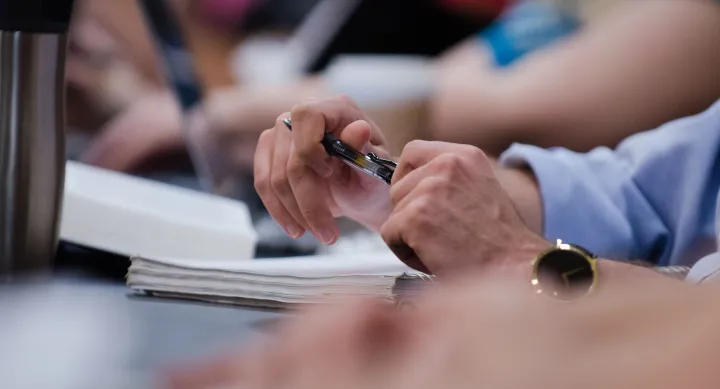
(273, 282)
(129, 216)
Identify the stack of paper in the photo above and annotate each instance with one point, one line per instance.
(269, 282)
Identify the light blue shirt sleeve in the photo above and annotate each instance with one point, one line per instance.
(652, 198)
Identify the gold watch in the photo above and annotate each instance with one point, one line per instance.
(565, 272)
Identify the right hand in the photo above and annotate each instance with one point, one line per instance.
(303, 188)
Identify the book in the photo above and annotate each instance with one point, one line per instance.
(131, 216)
(279, 282)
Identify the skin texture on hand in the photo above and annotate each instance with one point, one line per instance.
(444, 213)
(302, 187)
(451, 213)
(487, 332)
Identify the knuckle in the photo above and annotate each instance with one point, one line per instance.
(473, 153)
(449, 162)
(413, 146)
(280, 185)
(344, 99)
(262, 184)
(295, 169)
(434, 185)
(312, 213)
(421, 209)
(302, 110)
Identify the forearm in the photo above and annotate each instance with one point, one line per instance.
(522, 187)
(629, 73)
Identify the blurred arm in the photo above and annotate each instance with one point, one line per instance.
(653, 198)
(649, 62)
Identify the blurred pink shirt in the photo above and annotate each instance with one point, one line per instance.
(234, 11)
(227, 11)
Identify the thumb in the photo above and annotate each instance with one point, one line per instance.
(356, 134)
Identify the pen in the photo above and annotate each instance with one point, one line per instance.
(180, 69)
(182, 77)
(369, 163)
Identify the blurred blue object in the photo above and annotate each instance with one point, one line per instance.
(526, 27)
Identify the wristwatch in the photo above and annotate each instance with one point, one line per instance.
(565, 272)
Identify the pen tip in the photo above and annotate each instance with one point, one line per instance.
(288, 123)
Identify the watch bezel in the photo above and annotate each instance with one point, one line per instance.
(566, 247)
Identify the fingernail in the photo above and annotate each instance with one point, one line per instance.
(293, 232)
(326, 236)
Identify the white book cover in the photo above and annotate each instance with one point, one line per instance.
(132, 216)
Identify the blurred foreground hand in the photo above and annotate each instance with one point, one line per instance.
(655, 333)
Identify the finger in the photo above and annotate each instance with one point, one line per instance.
(418, 153)
(393, 233)
(262, 172)
(400, 190)
(308, 133)
(310, 123)
(311, 193)
(279, 178)
(356, 134)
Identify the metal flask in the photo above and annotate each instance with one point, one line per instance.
(33, 43)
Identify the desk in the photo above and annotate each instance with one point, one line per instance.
(172, 331)
(55, 325)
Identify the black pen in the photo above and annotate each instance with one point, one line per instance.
(369, 163)
(180, 68)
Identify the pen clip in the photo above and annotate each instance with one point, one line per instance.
(382, 161)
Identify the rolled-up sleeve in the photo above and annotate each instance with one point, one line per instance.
(652, 198)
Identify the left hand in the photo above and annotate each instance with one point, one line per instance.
(452, 214)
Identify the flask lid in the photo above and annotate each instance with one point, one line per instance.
(36, 16)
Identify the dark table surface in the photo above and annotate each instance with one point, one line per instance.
(93, 317)
(92, 325)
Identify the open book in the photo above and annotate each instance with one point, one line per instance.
(275, 282)
(127, 215)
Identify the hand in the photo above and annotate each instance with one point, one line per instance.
(228, 122)
(484, 333)
(150, 126)
(451, 213)
(302, 187)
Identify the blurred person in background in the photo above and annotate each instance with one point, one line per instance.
(114, 73)
(116, 86)
(627, 71)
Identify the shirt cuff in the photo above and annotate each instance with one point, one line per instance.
(706, 270)
(574, 207)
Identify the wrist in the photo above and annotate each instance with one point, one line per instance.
(521, 251)
(522, 187)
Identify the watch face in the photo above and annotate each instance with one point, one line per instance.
(565, 274)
